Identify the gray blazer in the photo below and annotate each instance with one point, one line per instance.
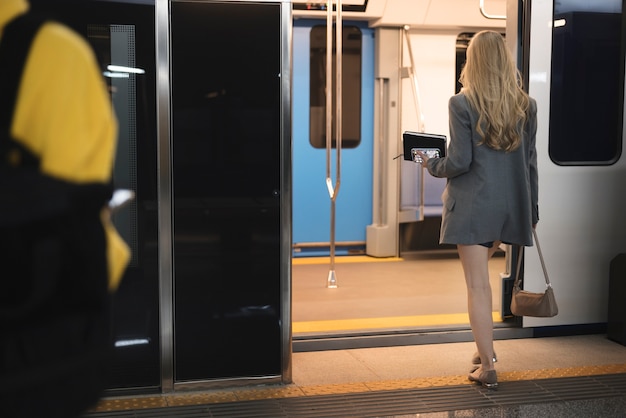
(490, 195)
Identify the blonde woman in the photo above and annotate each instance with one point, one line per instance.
(491, 167)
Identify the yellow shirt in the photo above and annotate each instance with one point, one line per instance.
(64, 116)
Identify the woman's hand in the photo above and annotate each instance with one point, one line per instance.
(423, 157)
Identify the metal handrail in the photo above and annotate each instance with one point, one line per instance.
(420, 116)
(487, 15)
(413, 76)
(333, 191)
(380, 210)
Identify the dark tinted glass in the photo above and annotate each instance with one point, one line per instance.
(587, 83)
(226, 173)
(351, 88)
(123, 34)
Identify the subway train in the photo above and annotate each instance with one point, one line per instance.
(253, 234)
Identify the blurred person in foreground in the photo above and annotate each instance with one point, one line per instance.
(55, 338)
(492, 190)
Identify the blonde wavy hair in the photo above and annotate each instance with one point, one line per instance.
(493, 87)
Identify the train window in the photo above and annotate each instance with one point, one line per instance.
(587, 93)
(462, 41)
(351, 88)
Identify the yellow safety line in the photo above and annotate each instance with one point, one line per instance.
(386, 322)
(343, 259)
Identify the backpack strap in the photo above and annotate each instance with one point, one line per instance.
(15, 44)
(28, 194)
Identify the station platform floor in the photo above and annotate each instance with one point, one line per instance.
(571, 376)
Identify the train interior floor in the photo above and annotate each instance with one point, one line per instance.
(425, 289)
(564, 376)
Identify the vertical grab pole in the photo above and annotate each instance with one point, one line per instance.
(332, 280)
(420, 116)
(333, 190)
(414, 83)
(380, 212)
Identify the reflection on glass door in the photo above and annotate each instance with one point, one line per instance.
(129, 44)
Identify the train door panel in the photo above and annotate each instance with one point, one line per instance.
(311, 201)
(128, 44)
(577, 81)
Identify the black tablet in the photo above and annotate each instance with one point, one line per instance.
(433, 145)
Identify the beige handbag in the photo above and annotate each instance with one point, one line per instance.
(524, 303)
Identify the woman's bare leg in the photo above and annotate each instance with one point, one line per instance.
(494, 248)
(474, 259)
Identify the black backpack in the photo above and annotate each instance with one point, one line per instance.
(54, 302)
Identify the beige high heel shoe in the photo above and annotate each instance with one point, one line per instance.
(488, 379)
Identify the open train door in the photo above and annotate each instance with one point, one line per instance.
(576, 73)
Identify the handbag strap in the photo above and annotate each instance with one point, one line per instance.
(543, 264)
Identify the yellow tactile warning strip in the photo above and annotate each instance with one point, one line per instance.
(293, 390)
(127, 404)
